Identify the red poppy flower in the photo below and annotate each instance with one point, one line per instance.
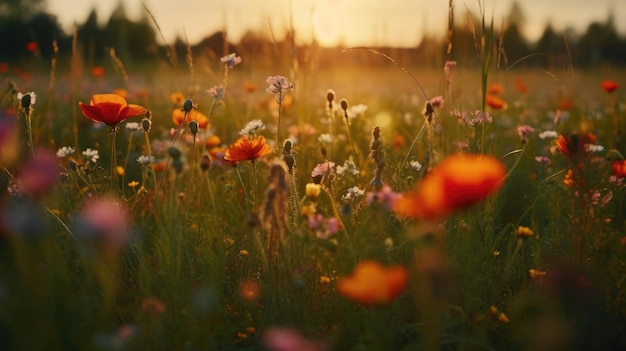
(573, 146)
(246, 149)
(110, 109)
(609, 86)
(495, 102)
(32, 46)
(457, 182)
(194, 115)
(619, 168)
(372, 284)
(97, 71)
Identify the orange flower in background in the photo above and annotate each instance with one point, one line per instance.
(495, 102)
(121, 92)
(110, 109)
(619, 168)
(372, 284)
(246, 149)
(177, 98)
(97, 71)
(565, 104)
(495, 89)
(249, 87)
(457, 182)
(609, 86)
(178, 116)
(213, 141)
(520, 85)
(573, 145)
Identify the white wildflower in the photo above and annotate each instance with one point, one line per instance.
(65, 151)
(92, 155)
(594, 148)
(415, 165)
(252, 127)
(145, 160)
(353, 193)
(325, 138)
(548, 134)
(348, 167)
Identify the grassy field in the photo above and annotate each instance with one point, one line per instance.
(343, 219)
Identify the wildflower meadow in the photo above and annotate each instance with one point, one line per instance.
(242, 202)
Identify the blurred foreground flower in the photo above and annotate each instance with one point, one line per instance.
(110, 109)
(105, 223)
(288, 339)
(457, 182)
(619, 168)
(372, 284)
(247, 149)
(38, 176)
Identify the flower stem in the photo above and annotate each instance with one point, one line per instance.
(114, 161)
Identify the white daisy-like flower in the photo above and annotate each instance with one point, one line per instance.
(145, 160)
(353, 193)
(548, 134)
(133, 126)
(415, 165)
(594, 148)
(252, 127)
(325, 138)
(65, 151)
(92, 155)
(348, 167)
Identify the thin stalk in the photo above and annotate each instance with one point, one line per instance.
(149, 149)
(114, 161)
(29, 130)
(408, 154)
(280, 105)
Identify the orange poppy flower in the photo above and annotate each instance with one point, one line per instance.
(372, 284)
(619, 168)
(609, 86)
(520, 85)
(495, 102)
(194, 115)
(246, 149)
(110, 109)
(573, 146)
(457, 182)
(495, 89)
(177, 98)
(565, 104)
(213, 141)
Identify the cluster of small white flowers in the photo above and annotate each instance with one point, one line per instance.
(415, 165)
(548, 134)
(594, 148)
(353, 193)
(65, 151)
(252, 127)
(92, 155)
(278, 85)
(134, 126)
(356, 111)
(145, 160)
(348, 167)
(325, 138)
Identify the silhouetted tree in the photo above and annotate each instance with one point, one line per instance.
(513, 41)
(599, 43)
(552, 48)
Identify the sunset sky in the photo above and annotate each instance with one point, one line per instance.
(351, 22)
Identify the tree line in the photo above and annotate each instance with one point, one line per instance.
(27, 30)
